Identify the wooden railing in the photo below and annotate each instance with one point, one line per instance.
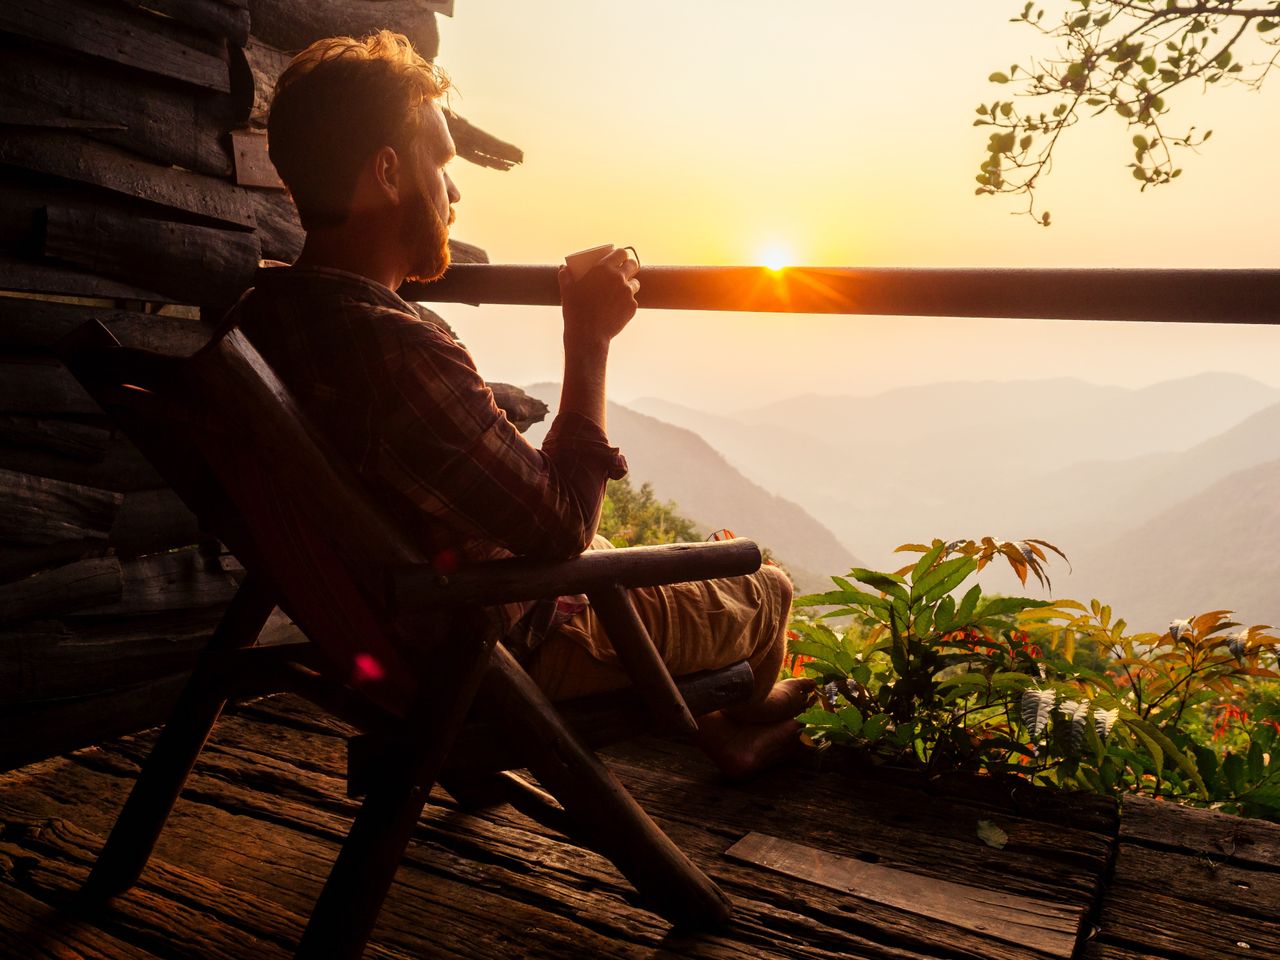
(1155, 295)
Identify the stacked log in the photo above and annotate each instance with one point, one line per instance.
(135, 190)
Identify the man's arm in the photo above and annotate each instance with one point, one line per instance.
(596, 309)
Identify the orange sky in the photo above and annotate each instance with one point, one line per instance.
(840, 133)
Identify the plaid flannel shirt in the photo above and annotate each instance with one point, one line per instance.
(403, 404)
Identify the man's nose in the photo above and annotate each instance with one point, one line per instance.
(454, 194)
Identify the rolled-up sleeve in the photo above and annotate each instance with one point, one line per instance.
(446, 447)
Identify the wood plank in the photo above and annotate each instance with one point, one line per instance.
(39, 511)
(1204, 833)
(191, 263)
(35, 383)
(1046, 927)
(1172, 906)
(35, 276)
(130, 38)
(70, 724)
(39, 324)
(170, 123)
(264, 810)
(266, 63)
(253, 166)
(122, 468)
(1056, 843)
(213, 17)
(292, 24)
(22, 560)
(86, 442)
(178, 580)
(481, 148)
(70, 156)
(279, 231)
(52, 661)
(84, 583)
(152, 520)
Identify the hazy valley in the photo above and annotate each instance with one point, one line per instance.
(1159, 495)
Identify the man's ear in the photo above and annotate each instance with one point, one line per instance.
(388, 174)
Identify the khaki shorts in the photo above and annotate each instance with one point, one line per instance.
(695, 626)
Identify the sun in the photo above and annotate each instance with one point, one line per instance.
(775, 257)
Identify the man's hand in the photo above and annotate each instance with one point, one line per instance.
(598, 307)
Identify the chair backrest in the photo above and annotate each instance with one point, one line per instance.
(227, 434)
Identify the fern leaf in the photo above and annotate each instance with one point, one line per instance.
(1036, 707)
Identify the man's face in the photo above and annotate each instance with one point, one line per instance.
(428, 208)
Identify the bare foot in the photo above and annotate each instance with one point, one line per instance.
(743, 749)
(782, 702)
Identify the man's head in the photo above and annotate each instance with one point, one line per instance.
(356, 131)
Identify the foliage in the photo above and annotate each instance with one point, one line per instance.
(1124, 57)
(633, 517)
(1054, 691)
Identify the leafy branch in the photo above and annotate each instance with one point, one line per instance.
(1123, 57)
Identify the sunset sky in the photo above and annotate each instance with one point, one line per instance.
(828, 133)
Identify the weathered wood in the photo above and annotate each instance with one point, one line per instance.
(134, 835)
(39, 511)
(169, 123)
(177, 580)
(132, 38)
(279, 231)
(68, 725)
(1234, 840)
(481, 148)
(79, 441)
(461, 252)
(35, 276)
(70, 156)
(264, 811)
(213, 17)
(84, 583)
(22, 560)
(253, 166)
(35, 383)
(292, 24)
(610, 818)
(1176, 906)
(505, 581)
(1049, 928)
(39, 324)
(521, 409)
(194, 264)
(152, 520)
(49, 661)
(266, 63)
(122, 468)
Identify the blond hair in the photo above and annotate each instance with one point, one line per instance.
(340, 101)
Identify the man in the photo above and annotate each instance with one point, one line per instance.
(357, 133)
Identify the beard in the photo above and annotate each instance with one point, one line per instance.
(427, 236)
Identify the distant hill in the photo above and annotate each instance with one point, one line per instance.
(684, 468)
(960, 459)
(1214, 550)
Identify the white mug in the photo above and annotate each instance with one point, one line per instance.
(582, 261)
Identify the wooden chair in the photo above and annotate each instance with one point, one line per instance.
(393, 646)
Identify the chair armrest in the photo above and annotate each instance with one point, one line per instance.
(417, 587)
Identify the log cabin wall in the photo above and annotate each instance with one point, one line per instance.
(135, 189)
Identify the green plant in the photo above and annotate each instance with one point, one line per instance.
(1050, 690)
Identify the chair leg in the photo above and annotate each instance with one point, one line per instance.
(160, 781)
(348, 906)
(597, 803)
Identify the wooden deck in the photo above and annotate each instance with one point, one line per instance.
(885, 867)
